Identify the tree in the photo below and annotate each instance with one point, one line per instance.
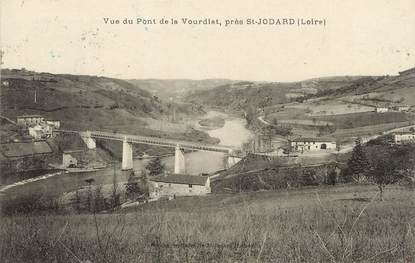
(358, 163)
(332, 177)
(155, 167)
(99, 200)
(115, 196)
(383, 173)
(132, 189)
(144, 186)
(250, 115)
(389, 165)
(77, 201)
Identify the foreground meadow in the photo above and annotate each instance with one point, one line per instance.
(326, 224)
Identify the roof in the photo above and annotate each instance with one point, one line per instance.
(405, 132)
(30, 116)
(180, 179)
(73, 151)
(20, 149)
(305, 139)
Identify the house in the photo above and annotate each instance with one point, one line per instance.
(404, 137)
(402, 108)
(382, 109)
(24, 156)
(56, 124)
(36, 132)
(312, 144)
(29, 120)
(179, 185)
(40, 131)
(5, 83)
(70, 158)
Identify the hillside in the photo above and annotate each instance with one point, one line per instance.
(366, 90)
(176, 88)
(237, 96)
(82, 102)
(93, 103)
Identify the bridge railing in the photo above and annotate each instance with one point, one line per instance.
(154, 141)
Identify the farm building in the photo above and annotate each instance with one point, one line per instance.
(5, 83)
(70, 158)
(56, 124)
(382, 109)
(404, 137)
(28, 120)
(179, 185)
(24, 156)
(402, 108)
(40, 131)
(312, 144)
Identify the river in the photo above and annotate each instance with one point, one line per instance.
(233, 133)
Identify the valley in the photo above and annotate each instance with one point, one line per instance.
(292, 149)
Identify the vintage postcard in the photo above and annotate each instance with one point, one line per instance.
(207, 131)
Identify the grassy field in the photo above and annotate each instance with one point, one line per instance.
(332, 107)
(326, 224)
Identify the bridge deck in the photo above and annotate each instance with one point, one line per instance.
(153, 141)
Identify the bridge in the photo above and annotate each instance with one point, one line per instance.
(89, 137)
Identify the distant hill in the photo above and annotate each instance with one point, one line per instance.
(82, 102)
(240, 95)
(237, 96)
(177, 88)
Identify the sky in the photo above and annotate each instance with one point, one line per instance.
(371, 37)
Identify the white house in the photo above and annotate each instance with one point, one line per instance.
(36, 132)
(28, 120)
(312, 144)
(402, 108)
(56, 124)
(40, 131)
(404, 137)
(5, 83)
(382, 109)
(179, 185)
(68, 160)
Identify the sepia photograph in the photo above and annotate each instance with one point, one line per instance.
(207, 131)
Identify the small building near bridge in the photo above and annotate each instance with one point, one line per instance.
(402, 108)
(70, 158)
(5, 83)
(29, 120)
(404, 137)
(382, 109)
(179, 185)
(24, 156)
(312, 144)
(56, 124)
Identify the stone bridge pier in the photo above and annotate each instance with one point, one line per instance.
(127, 155)
(179, 161)
(88, 140)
